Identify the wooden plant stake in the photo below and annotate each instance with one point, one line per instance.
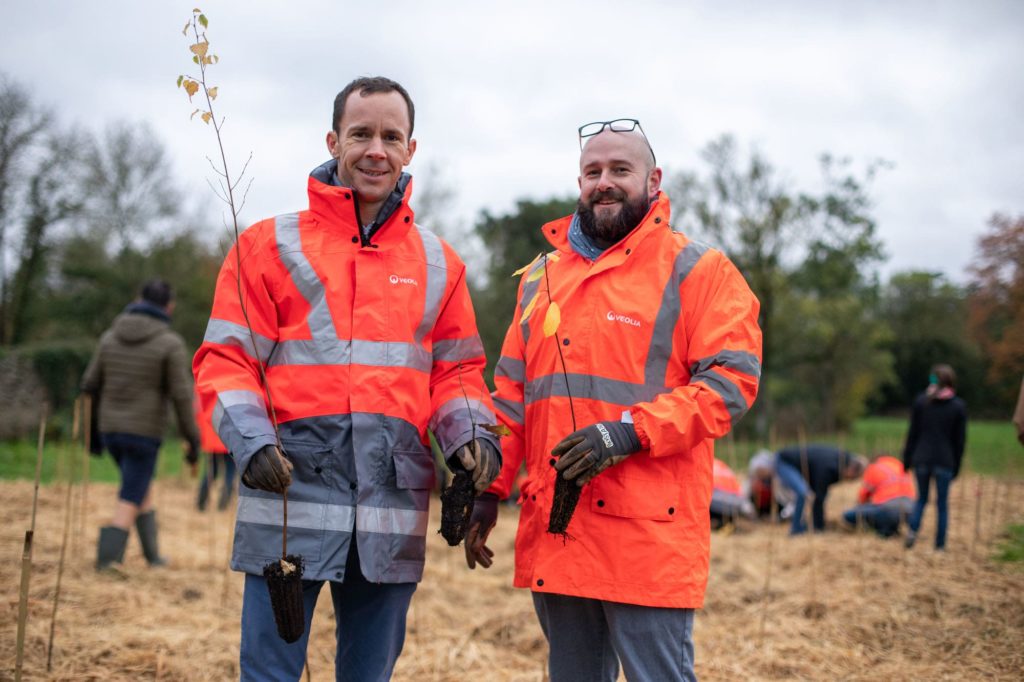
(26, 554)
(68, 512)
(977, 514)
(87, 436)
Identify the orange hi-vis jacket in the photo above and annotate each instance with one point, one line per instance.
(724, 478)
(885, 480)
(662, 327)
(367, 342)
(209, 441)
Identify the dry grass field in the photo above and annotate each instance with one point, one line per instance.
(837, 606)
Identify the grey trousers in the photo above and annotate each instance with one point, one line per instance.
(589, 637)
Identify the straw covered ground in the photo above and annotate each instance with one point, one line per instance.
(825, 607)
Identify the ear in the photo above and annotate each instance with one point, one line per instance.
(579, 181)
(410, 150)
(332, 144)
(653, 182)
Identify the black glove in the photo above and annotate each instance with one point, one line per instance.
(192, 451)
(585, 453)
(268, 470)
(482, 459)
(485, 515)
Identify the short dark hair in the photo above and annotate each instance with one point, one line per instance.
(156, 291)
(945, 375)
(371, 85)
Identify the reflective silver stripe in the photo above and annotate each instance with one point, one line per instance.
(733, 359)
(668, 314)
(357, 352)
(437, 277)
(390, 521)
(229, 399)
(730, 392)
(228, 333)
(289, 247)
(513, 410)
(480, 412)
(457, 350)
(590, 387)
(530, 290)
(511, 368)
(269, 511)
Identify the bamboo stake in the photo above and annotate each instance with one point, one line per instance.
(804, 466)
(60, 565)
(769, 556)
(26, 554)
(977, 515)
(86, 455)
(76, 431)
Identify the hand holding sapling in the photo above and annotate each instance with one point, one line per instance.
(585, 453)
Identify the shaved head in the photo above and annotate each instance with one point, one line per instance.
(632, 143)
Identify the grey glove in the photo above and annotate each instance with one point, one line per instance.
(482, 521)
(483, 460)
(268, 470)
(585, 453)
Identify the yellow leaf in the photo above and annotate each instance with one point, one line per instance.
(199, 49)
(529, 309)
(552, 318)
(212, 92)
(526, 267)
(554, 256)
(206, 117)
(536, 274)
(184, 31)
(499, 430)
(191, 87)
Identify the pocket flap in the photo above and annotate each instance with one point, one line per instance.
(414, 470)
(633, 498)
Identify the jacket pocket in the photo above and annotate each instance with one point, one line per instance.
(634, 498)
(414, 469)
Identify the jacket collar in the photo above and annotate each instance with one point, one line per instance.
(334, 206)
(557, 231)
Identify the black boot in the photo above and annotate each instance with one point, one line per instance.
(145, 524)
(110, 548)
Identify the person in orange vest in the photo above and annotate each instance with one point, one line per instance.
(217, 458)
(885, 499)
(364, 324)
(631, 349)
(727, 500)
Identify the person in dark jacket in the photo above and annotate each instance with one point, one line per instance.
(814, 468)
(935, 447)
(139, 365)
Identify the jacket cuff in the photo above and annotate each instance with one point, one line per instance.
(640, 426)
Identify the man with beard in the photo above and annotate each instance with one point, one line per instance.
(631, 349)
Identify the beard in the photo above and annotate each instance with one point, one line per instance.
(609, 229)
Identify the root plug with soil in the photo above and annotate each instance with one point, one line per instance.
(567, 496)
(457, 506)
(284, 581)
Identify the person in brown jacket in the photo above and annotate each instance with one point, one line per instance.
(139, 365)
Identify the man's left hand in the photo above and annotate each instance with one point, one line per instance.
(585, 453)
(482, 459)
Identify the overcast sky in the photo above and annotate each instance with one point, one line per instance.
(934, 87)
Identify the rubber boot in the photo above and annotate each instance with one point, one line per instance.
(145, 524)
(110, 548)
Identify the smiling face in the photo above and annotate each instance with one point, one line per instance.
(372, 146)
(617, 182)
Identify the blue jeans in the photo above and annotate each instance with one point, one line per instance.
(943, 477)
(884, 518)
(794, 480)
(588, 637)
(136, 458)
(370, 628)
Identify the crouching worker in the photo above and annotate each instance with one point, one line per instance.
(814, 469)
(886, 497)
(139, 365)
(727, 500)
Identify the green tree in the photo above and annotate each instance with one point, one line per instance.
(805, 255)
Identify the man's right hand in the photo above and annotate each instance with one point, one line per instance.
(268, 470)
(485, 515)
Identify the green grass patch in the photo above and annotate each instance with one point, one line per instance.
(18, 461)
(1011, 547)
